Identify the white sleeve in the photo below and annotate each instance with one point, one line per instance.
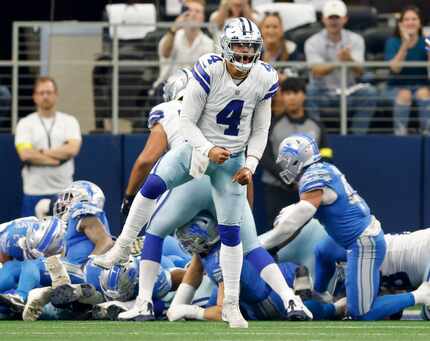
(260, 130)
(73, 130)
(193, 106)
(312, 51)
(23, 133)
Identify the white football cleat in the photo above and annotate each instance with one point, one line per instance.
(231, 314)
(296, 310)
(422, 294)
(176, 312)
(115, 255)
(37, 299)
(140, 312)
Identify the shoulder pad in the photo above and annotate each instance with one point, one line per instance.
(84, 209)
(205, 68)
(162, 112)
(316, 176)
(269, 78)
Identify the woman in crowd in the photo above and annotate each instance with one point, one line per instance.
(408, 83)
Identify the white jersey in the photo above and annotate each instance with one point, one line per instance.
(225, 111)
(167, 114)
(407, 258)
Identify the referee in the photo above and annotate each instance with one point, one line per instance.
(46, 142)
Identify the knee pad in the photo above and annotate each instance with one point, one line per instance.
(153, 187)
(229, 235)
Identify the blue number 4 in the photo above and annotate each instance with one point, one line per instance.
(230, 116)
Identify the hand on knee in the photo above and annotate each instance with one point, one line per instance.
(404, 97)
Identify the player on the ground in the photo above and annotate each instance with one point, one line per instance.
(226, 110)
(325, 193)
(406, 265)
(257, 300)
(26, 239)
(80, 207)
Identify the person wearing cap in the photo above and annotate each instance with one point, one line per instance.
(293, 120)
(334, 44)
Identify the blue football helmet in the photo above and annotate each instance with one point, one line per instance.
(120, 283)
(199, 235)
(79, 191)
(174, 88)
(44, 239)
(295, 153)
(241, 33)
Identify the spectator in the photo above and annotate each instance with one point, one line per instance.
(185, 42)
(276, 49)
(336, 44)
(227, 10)
(295, 119)
(46, 142)
(408, 83)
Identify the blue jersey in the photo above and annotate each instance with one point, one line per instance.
(77, 245)
(345, 215)
(252, 288)
(11, 232)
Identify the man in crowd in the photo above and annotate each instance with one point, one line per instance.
(295, 119)
(46, 141)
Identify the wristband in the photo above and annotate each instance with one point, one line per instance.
(251, 163)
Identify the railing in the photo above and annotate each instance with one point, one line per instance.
(108, 83)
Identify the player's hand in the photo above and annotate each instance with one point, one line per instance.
(126, 204)
(218, 155)
(243, 176)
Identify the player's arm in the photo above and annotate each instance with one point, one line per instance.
(257, 140)
(96, 232)
(193, 105)
(65, 152)
(155, 147)
(291, 220)
(214, 313)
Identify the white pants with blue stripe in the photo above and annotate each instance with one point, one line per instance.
(364, 260)
(228, 197)
(180, 205)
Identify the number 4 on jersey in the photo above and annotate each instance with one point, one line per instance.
(230, 116)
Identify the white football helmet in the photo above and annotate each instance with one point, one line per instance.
(176, 84)
(44, 239)
(295, 153)
(79, 191)
(241, 43)
(199, 235)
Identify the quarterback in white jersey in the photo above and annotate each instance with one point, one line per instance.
(226, 109)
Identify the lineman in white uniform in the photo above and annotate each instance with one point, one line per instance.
(226, 110)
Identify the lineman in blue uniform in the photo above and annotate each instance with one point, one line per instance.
(326, 194)
(80, 206)
(257, 300)
(23, 241)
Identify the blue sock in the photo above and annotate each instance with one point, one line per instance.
(259, 258)
(387, 305)
(152, 248)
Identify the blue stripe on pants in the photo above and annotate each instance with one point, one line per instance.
(364, 260)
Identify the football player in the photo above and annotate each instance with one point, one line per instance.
(257, 300)
(326, 194)
(226, 110)
(406, 265)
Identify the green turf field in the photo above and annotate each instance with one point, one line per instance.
(201, 331)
